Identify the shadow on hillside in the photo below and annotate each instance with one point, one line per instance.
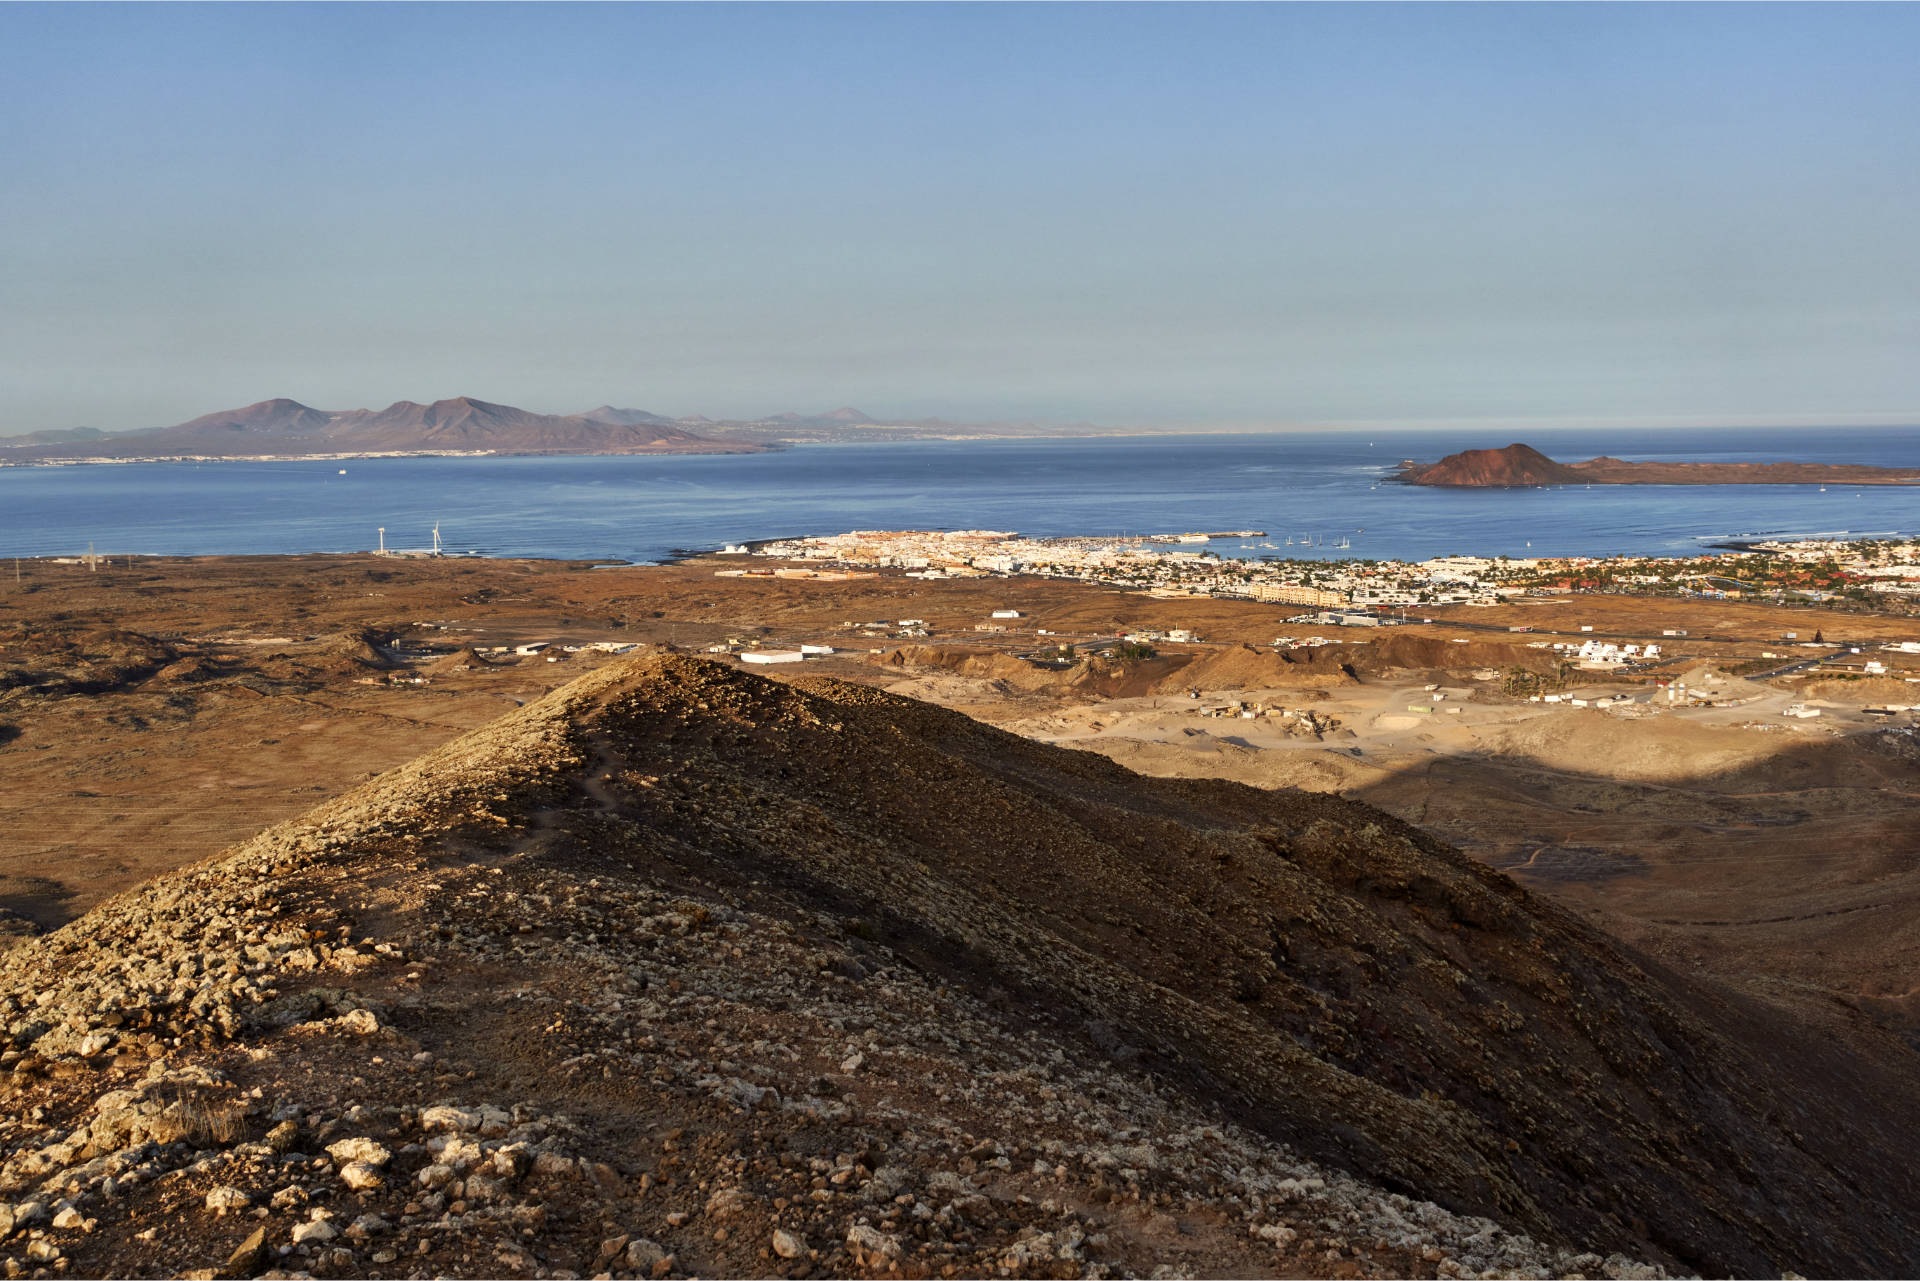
(1797, 873)
(33, 904)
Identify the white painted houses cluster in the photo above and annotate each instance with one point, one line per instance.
(1594, 652)
(1154, 564)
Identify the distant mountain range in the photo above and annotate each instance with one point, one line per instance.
(1522, 466)
(627, 417)
(284, 428)
(71, 435)
(287, 428)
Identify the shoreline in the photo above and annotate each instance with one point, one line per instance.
(745, 450)
(754, 547)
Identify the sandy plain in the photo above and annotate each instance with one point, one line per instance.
(154, 712)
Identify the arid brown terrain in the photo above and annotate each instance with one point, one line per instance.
(829, 874)
(682, 970)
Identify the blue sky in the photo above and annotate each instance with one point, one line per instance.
(1182, 215)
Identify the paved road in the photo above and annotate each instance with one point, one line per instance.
(1798, 665)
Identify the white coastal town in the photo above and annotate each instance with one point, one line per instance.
(1882, 574)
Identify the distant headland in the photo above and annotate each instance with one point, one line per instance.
(283, 428)
(288, 429)
(1522, 466)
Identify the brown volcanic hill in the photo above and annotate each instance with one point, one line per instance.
(466, 423)
(1522, 465)
(277, 417)
(461, 423)
(1514, 466)
(679, 949)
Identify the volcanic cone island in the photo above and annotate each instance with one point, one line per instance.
(685, 971)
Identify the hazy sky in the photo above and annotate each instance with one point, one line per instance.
(1132, 214)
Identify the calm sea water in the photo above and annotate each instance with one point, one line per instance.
(1315, 488)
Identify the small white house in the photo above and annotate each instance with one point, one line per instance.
(773, 656)
(1007, 613)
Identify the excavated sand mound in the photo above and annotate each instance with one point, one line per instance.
(1244, 667)
(1869, 690)
(453, 662)
(1398, 649)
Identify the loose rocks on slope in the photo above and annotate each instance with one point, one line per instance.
(681, 970)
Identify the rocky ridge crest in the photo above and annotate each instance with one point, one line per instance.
(684, 970)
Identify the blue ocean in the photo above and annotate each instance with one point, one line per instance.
(1316, 494)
